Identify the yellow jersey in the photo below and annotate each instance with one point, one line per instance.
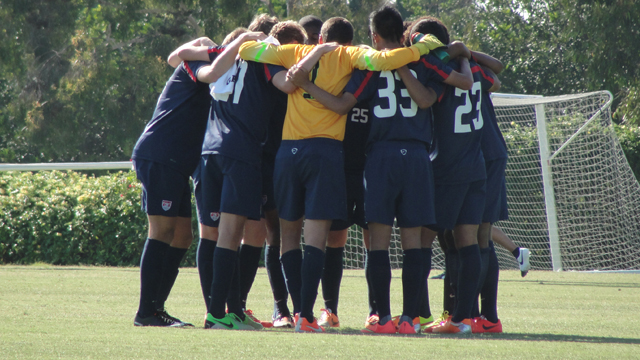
(307, 118)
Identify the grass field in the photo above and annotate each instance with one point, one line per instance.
(50, 312)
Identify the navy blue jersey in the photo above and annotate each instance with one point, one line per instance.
(355, 137)
(493, 145)
(174, 135)
(395, 116)
(458, 124)
(274, 133)
(238, 125)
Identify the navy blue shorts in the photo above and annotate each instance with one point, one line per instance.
(165, 191)
(268, 198)
(231, 186)
(399, 184)
(495, 207)
(458, 204)
(355, 202)
(309, 180)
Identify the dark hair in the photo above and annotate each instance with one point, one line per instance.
(233, 35)
(263, 22)
(288, 31)
(311, 22)
(431, 25)
(387, 23)
(337, 29)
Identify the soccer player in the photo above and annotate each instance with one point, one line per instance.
(459, 174)
(231, 176)
(164, 157)
(397, 164)
(312, 25)
(309, 177)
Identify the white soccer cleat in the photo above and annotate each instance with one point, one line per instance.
(523, 261)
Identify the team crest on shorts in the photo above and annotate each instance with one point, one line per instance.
(166, 205)
(215, 216)
(294, 150)
(403, 151)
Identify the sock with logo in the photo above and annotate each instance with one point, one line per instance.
(151, 263)
(468, 274)
(224, 266)
(332, 277)
(276, 279)
(380, 270)
(170, 269)
(412, 272)
(204, 261)
(424, 309)
(249, 261)
(292, 269)
(312, 266)
(489, 291)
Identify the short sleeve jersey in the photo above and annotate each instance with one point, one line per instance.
(174, 135)
(306, 117)
(395, 116)
(458, 124)
(238, 124)
(355, 137)
(493, 145)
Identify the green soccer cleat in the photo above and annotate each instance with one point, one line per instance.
(228, 322)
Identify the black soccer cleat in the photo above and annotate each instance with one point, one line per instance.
(164, 313)
(159, 319)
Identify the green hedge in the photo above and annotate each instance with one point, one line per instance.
(68, 218)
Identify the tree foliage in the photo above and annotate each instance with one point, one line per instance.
(79, 78)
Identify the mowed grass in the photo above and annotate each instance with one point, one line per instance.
(51, 312)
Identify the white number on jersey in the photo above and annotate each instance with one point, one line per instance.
(362, 114)
(239, 84)
(467, 108)
(388, 93)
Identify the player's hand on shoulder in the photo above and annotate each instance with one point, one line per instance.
(327, 47)
(205, 41)
(298, 76)
(458, 48)
(253, 36)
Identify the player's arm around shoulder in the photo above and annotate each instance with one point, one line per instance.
(496, 81)
(462, 79)
(283, 55)
(227, 58)
(195, 50)
(338, 104)
(423, 96)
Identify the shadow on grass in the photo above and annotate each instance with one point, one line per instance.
(577, 283)
(506, 336)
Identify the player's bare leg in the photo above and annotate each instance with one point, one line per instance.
(521, 254)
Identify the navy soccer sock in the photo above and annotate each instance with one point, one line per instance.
(424, 309)
(373, 308)
(331, 278)
(450, 280)
(312, 265)
(380, 270)
(151, 263)
(170, 269)
(516, 252)
(276, 279)
(469, 257)
(204, 261)
(412, 272)
(234, 304)
(292, 269)
(489, 292)
(224, 267)
(249, 261)
(484, 256)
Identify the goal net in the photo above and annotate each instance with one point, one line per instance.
(573, 198)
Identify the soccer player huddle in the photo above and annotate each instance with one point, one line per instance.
(301, 130)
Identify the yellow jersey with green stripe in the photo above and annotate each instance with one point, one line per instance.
(307, 118)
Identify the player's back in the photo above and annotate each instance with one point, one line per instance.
(493, 144)
(458, 124)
